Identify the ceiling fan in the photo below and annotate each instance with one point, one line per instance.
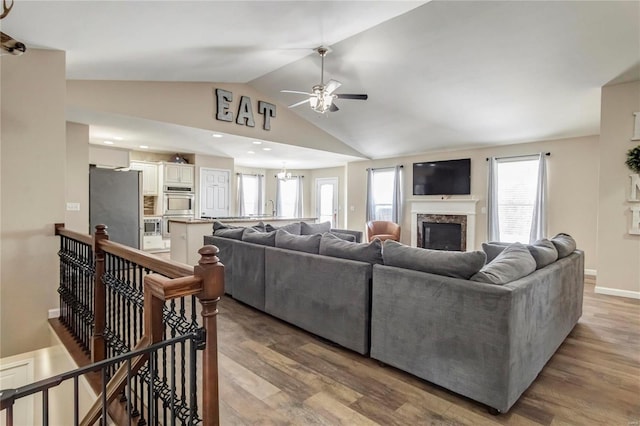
(322, 96)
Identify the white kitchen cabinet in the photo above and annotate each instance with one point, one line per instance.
(149, 176)
(178, 174)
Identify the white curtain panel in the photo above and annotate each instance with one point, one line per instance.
(279, 191)
(539, 220)
(493, 223)
(260, 199)
(241, 207)
(396, 212)
(299, 191)
(370, 208)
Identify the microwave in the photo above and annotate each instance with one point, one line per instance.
(152, 226)
(179, 203)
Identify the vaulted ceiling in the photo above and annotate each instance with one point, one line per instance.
(439, 75)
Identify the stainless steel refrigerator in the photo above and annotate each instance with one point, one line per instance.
(115, 199)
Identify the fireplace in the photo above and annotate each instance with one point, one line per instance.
(461, 213)
(442, 232)
(441, 236)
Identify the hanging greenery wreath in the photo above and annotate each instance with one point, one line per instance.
(633, 159)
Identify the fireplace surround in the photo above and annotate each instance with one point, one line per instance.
(458, 211)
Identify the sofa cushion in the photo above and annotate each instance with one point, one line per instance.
(251, 235)
(565, 244)
(314, 228)
(343, 236)
(543, 251)
(456, 264)
(234, 233)
(514, 262)
(305, 243)
(334, 246)
(292, 228)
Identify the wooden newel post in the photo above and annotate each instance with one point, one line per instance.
(98, 345)
(212, 273)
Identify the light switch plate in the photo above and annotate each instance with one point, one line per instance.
(73, 207)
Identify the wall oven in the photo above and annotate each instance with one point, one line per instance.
(179, 204)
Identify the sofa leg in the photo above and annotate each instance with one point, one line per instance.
(382, 364)
(493, 411)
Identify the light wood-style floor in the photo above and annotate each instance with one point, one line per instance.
(272, 373)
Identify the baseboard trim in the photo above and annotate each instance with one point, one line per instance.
(617, 292)
(54, 313)
(591, 272)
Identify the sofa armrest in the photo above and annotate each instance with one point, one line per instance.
(357, 234)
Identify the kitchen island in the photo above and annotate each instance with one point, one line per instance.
(187, 235)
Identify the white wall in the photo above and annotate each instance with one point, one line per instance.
(77, 177)
(572, 182)
(33, 195)
(619, 252)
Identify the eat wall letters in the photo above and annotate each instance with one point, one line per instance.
(244, 115)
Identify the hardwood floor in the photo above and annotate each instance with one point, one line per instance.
(274, 374)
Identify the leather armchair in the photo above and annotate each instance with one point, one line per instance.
(383, 230)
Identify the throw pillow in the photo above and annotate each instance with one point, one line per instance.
(233, 233)
(343, 236)
(493, 249)
(513, 263)
(456, 264)
(543, 252)
(250, 235)
(314, 228)
(565, 244)
(305, 243)
(292, 228)
(331, 245)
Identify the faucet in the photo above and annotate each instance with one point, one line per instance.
(273, 207)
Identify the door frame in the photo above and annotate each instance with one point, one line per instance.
(335, 181)
(200, 180)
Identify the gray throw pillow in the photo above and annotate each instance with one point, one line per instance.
(219, 225)
(343, 236)
(513, 263)
(305, 243)
(543, 252)
(493, 249)
(233, 233)
(314, 228)
(250, 235)
(331, 245)
(292, 228)
(565, 244)
(456, 264)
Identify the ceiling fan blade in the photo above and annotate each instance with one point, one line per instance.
(333, 108)
(351, 96)
(295, 91)
(299, 103)
(331, 86)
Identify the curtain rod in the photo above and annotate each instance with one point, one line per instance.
(249, 174)
(293, 176)
(548, 154)
(380, 168)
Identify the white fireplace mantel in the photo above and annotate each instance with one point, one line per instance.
(455, 206)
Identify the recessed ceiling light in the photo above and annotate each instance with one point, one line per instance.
(250, 152)
(216, 135)
(266, 149)
(108, 142)
(118, 138)
(257, 142)
(144, 146)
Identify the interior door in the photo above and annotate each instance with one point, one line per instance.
(327, 200)
(214, 192)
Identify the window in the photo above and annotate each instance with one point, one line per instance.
(515, 186)
(384, 197)
(289, 197)
(250, 190)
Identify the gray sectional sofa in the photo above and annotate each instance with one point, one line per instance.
(481, 329)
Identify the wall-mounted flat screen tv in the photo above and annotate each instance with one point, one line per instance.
(451, 177)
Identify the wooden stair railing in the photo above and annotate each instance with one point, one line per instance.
(207, 284)
(205, 281)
